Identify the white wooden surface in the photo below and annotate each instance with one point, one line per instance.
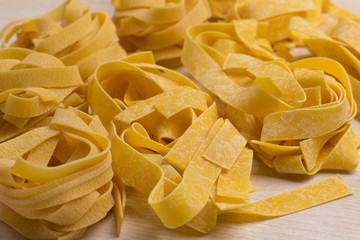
(335, 220)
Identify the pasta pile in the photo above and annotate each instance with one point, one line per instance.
(56, 179)
(33, 86)
(169, 143)
(79, 118)
(280, 107)
(56, 174)
(71, 33)
(279, 15)
(336, 40)
(324, 28)
(158, 25)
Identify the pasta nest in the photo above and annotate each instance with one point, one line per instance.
(279, 107)
(57, 179)
(69, 32)
(33, 86)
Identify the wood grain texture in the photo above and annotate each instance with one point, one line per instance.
(335, 220)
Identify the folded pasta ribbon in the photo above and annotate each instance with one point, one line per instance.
(56, 179)
(280, 16)
(169, 143)
(32, 86)
(324, 28)
(277, 15)
(280, 108)
(158, 26)
(336, 41)
(70, 32)
(222, 9)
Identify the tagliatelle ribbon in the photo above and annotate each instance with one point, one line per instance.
(57, 175)
(337, 41)
(324, 28)
(169, 143)
(56, 179)
(278, 17)
(221, 9)
(281, 108)
(32, 86)
(158, 26)
(71, 33)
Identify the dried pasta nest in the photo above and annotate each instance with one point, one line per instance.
(279, 107)
(281, 16)
(158, 26)
(336, 40)
(62, 170)
(33, 86)
(57, 179)
(169, 143)
(324, 28)
(167, 138)
(69, 32)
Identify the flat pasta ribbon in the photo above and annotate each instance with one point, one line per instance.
(281, 108)
(32, 86)
(158, 26)
(222, 9)
(277, 15)
(336, 41)
(280, 16)
(69, 32)
(324, 28)
(169, 143)
(56, 179)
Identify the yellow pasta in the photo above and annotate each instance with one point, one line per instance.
(312, 28)
(62, 170)
(337, 41)
(324, 28)
(32, 86)
(71, 33)
(281, 108)
(56, 179)
(158, 26)
(169, 143)
(222, 9)
(277, 15)
(281, 16)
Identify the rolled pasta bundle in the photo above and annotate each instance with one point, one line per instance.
(296, 116)
(280, 15)
(32, 86)
(169, 143)
(277, 14)
(338, 40)
(158, 25)
(167, 140)
(56, 179)
(69, 32)
(324, 28)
